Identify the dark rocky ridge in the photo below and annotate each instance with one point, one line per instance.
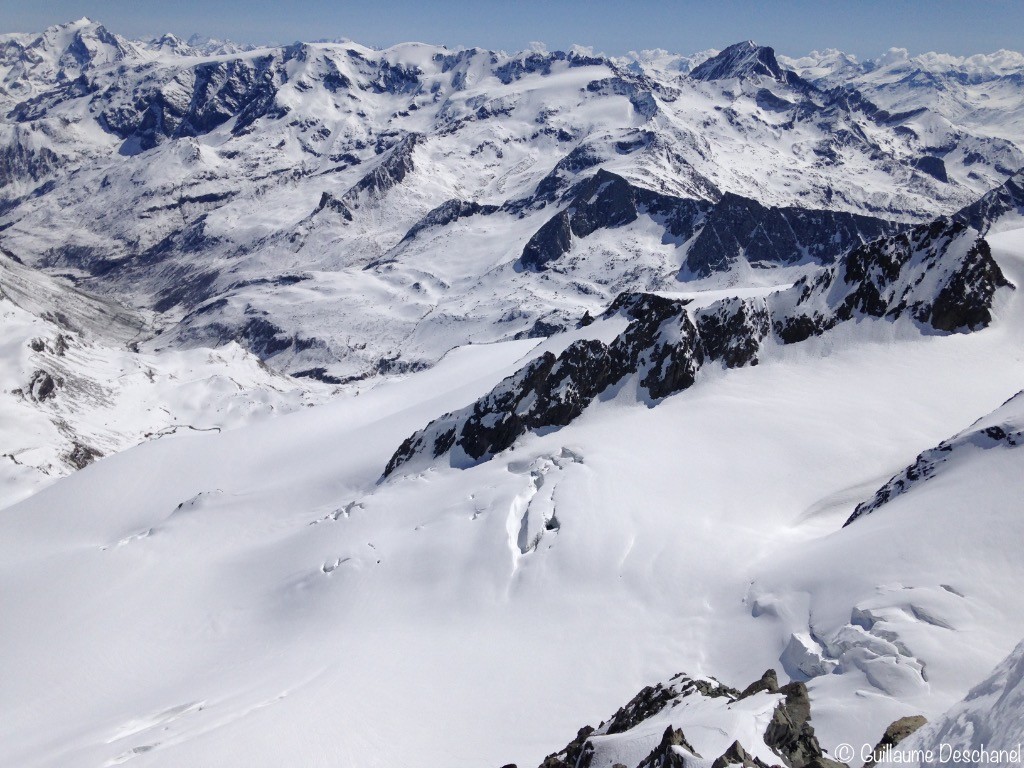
(735, 227)
(920, 274)
(390, 173)
(940, 276)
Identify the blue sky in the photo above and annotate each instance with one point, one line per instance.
(865, 27)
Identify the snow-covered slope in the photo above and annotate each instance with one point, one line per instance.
(74, 386)
(986, 728)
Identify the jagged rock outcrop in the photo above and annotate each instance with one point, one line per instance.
(667, 753)
(576, 754)
(329, 202)
(661, 343)
(80, 456)
(20, 162)
(389, 173)
(940, 275)
(790, 734)
(933, 166)
(42, 386)
(737, 755)
(199, 100)
(732, 330)
(651, 730)
(769, 682)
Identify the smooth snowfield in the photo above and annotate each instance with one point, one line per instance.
(256, 598)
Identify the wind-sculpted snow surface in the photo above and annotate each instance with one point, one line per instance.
(1000, 430)
(941, 275)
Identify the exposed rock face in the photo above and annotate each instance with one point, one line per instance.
(199, 100)
(389, 173)
(790, 734)
(732, 330)
(20, 162)
(42, 386)
(654, 698)
(80, 456)
(894, 734)
(965, 301)
(576, 754)
(639, 97)
(941, 275)
(769, 682)
(330, 203)
(661, 341)
(933, 166)
(739, 226)
(745, 60)
(552, 240)
(733, 228)
(664, 755)
(737, 755)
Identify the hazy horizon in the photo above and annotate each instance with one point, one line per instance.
(793, 29)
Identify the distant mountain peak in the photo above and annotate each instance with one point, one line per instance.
(743, 61)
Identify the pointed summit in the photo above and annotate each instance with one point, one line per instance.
(743, 61)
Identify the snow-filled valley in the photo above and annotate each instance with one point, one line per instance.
(419, 407)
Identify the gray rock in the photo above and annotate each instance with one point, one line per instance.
(42, 386)
(664, 756)
(894, 734)
(737, 755)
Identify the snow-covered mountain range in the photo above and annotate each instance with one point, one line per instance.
(417, 406)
